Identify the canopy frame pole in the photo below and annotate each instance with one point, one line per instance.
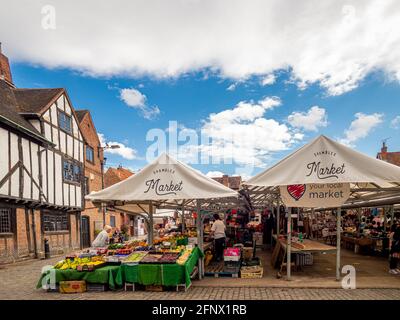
(391, 216)
(277, 218)
(338, 241)
(385, 211)
(199, 224)
(150, 236)
(311, 223)
(183, 218)
(289, 245)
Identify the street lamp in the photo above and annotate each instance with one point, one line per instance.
(107, 146)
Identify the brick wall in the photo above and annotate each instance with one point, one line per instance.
(21, 243)
(93, 171)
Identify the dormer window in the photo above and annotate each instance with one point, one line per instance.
(64, 122)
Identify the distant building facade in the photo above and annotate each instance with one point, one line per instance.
(92, 216)
(391, 157)
(233, 182)
(41, 170)
(118, 219)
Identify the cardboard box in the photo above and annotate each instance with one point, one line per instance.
(72, 286)
(247, 253)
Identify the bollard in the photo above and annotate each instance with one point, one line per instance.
(46, 249)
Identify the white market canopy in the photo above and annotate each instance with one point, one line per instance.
(165, 180)
(326, 161)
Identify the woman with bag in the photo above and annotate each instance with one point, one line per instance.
(394, 250)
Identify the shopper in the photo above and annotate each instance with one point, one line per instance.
(102, 238)
(394, 250)
(218, 232)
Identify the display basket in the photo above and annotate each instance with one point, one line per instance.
(253, 272)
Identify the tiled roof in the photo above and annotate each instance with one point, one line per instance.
(35, 100)
(9, 113)
(114, 175)
(80, 114)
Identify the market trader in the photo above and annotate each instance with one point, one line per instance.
(102, 238)
(218, 232)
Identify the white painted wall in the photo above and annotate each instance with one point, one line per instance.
(4, 159)
(14, 160)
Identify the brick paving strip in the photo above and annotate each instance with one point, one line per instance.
(18, 281)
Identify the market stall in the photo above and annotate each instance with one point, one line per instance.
(133, 263)
(166, 183)
(324, 174)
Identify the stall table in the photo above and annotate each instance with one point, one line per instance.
(159, 274)
(104, 275)
(307, 246)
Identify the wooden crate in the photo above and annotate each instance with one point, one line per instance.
(254, 272)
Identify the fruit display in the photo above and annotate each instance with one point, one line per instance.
(136, 243)
(116, 246)
(135, 257)
(184, 256)
(116, 258)
(80, 264)
(151, 258)
(124, 251)
(169, 257)
(121, 252)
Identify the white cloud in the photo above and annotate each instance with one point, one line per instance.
(323, 42)
(135, 99)
(311, 120)
(243, 135)
(395, 123)
(268, 80)
(361, 127)
(232, 87)
(214, 174)
(123, 151)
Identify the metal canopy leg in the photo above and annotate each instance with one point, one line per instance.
(151, 225)
(289, 245)
(199, 227)
(338, 240)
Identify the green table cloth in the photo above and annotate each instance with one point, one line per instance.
(159, 274)
(104, 275)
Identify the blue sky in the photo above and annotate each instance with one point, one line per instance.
(191, 99)
(260, 78)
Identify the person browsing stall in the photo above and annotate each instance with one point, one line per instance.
(218, 232)
(102, 238)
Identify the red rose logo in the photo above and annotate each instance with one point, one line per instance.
(296, 191)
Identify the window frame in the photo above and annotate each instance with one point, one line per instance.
(60, 221)
(73, 165)
(86, 154)
(9, 222)
(112, 221)
(64, 114)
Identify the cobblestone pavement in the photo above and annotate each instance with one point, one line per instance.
(18, 281)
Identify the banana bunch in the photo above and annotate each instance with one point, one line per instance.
(74, 263)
